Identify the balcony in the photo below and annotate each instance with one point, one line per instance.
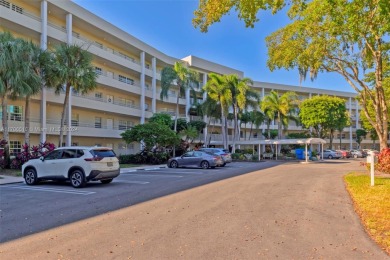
(53, 128)
(89, 101)
(112, 80)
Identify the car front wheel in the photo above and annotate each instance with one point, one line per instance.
(30, 176)
(77, 179)
(174, 164)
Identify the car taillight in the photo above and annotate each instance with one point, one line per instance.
(94, 159)
(216, 157)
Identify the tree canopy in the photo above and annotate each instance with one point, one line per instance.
(324, 114)
(151, 134)
(348, 37)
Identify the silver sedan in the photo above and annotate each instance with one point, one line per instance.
(196, 159)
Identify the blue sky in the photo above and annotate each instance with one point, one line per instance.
(167, 26)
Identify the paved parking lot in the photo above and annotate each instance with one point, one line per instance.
(29, 209)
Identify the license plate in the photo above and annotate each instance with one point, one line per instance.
(110, 164)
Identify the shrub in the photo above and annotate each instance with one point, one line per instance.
(28, 153)
(236, 156)
(144, 158)
(384, 161)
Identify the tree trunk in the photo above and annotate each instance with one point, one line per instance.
(175, 124)
(235, 131)
(212, 130)
(27, 121)
(223, 119)
(250, 132)
(331, 139)
(5, 131)
(64, 109)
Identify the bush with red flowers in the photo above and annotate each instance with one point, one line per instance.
(28, 153)
(384, 161)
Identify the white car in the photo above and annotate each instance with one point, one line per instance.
(76, 163)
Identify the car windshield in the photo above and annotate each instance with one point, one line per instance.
(103, 153)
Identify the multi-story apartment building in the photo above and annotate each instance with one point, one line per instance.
(129, 73)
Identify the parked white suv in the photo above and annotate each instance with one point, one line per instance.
(77, 164)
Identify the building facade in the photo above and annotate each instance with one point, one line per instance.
(129, 74)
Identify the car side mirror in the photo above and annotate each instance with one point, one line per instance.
(42, 158)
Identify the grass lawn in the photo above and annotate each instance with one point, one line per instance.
(129, 165)
(10, 172)
(373, 205)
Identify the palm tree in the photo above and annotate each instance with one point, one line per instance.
(72, 66)
(244, 119)
(256, 118)
(36, 59)
(183, 77)
(13, 71)
(219, 91)
(242, 97)
(211, 109)
(280, 108)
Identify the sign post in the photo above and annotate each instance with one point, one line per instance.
(371, 160)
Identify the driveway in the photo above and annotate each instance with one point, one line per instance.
(291, 211)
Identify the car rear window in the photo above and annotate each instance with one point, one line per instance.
(103, 153)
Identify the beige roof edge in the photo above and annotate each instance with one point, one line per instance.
(209, 66)
(91, 18)
(277, 86)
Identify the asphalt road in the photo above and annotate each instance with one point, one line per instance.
(25, 210)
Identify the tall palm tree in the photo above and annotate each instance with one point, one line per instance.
(211, 109)
(256, 118)
(218, 90)
(36, 59)
(183, 77)
(13, 71)
(245, 118)
(72, 66)
(280, 108)
(242, 97)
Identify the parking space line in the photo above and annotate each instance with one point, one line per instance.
(151, 175)
(51, 190)
(133, 182)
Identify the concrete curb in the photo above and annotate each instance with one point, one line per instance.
(10, 179)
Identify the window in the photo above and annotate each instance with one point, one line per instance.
(99, 95)
(126, 80)
(75, 119)
(15, 113)
(5, 3)
(125, 102)
(98, 70)
(68, 154)
(79, 153)
(147, 66)
(15, 147)
(56, 154)
(17, 9)
(122, 78)
(124, 125)
(98, 122)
